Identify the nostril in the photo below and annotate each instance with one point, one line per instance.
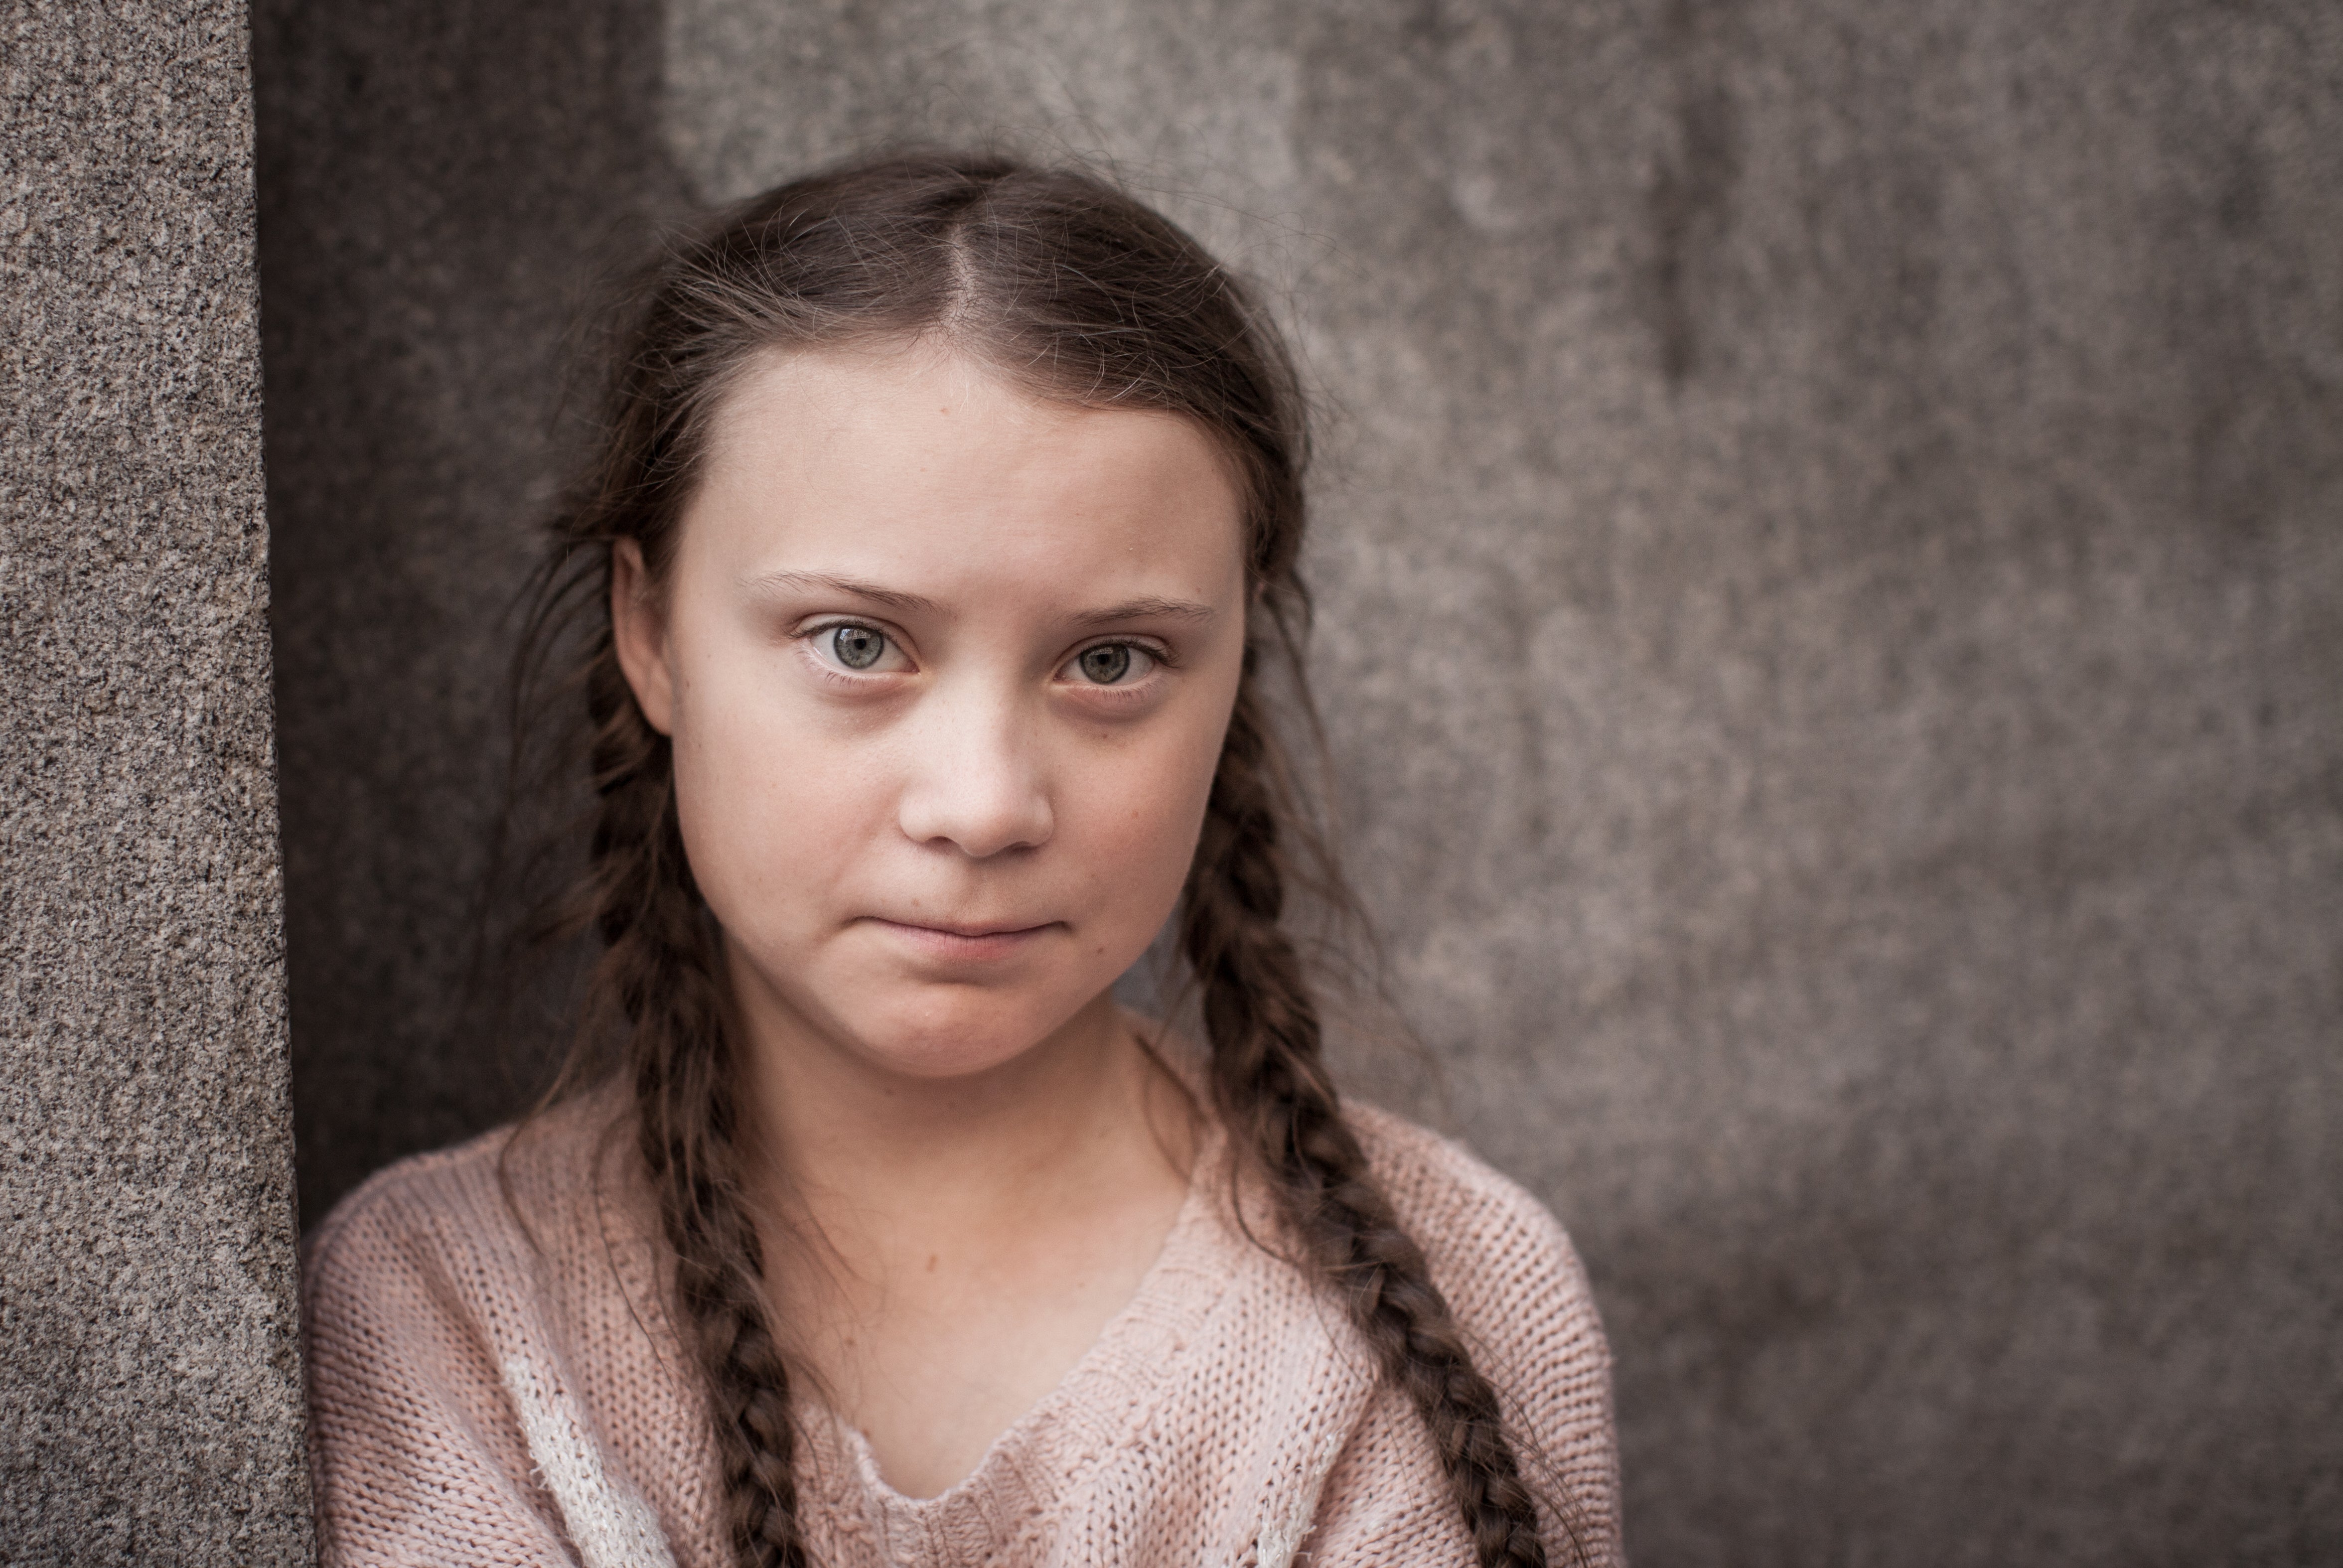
(978, 822)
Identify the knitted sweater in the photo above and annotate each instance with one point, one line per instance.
(484, 1390)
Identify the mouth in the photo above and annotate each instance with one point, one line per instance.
(949, 939)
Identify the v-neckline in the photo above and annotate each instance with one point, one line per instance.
(1128, 1361)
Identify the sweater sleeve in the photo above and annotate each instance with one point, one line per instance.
(415, 1453)
(1520, 1297)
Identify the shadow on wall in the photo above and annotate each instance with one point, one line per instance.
(440, 185)
(1831, 585)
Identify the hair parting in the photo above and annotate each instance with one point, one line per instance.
(1076, 293)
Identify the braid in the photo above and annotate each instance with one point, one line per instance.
(1077, 294)
(658, 969)
(1280, 1105)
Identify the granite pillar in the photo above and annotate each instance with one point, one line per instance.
(150, 1397)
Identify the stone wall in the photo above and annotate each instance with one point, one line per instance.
(1831, 592)
(150, 1400)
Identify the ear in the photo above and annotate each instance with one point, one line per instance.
(639, 630)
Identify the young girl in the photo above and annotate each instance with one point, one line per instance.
(943, 520)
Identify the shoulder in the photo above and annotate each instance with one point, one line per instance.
(1471, 1219)
(1500, 1256)
(436, 1344)
(401, 1205)
(475, 1207)
(1520, 1297)
(417, 1182)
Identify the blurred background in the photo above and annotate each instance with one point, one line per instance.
(1830, 562)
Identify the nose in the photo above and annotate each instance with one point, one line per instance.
(975, 783)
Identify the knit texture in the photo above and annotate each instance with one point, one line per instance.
(495, 1377)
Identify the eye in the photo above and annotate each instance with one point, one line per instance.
(858, 648)
(1110, 663)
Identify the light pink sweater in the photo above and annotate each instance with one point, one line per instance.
(487, 1393)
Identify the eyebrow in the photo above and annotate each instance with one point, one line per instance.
(1149, 607)
(893, 598)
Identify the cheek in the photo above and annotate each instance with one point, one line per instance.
(1141, 810)
(773, 810)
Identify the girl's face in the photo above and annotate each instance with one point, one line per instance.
(947, 671)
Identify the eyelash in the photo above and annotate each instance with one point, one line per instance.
(1159, 657)
(812, 637)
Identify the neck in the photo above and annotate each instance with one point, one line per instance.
(874, 1158)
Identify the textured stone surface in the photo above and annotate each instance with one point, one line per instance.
(1831, 592)
(438, 181)
(150, 1402)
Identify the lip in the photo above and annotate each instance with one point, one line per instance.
(964, 942)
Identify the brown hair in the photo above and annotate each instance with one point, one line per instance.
(1078, 293)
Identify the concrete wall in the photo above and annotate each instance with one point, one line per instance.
(1832, 597)
(150, 1402)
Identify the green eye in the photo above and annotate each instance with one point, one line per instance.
(1107, 663)
(857, 647)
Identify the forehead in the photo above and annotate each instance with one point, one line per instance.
(918, 460)
(786, 405)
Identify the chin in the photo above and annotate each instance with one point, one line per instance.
(964, 1031)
